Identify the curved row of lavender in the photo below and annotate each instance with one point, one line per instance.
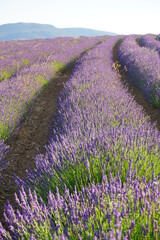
(17, 92)
(99, 176)
(143, 67)
(150, 42)
(16, 55)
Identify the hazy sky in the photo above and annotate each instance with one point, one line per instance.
(120, 16)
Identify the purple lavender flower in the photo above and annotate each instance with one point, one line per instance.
(150, 42)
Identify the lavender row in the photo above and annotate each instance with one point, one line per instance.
(143, 67)
(150, 42)
(99, 176)
(17, 92)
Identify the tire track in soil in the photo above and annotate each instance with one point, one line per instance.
(135, 91)
(32, 134)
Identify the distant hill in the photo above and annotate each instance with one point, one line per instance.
(24, 31)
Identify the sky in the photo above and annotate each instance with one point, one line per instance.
(118, 16)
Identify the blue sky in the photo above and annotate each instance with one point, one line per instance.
(120, 16)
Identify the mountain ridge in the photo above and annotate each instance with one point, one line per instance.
(26, 31)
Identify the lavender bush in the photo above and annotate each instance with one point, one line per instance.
(99, 178)
(150, 42)
(143, 66)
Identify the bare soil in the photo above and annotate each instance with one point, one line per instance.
(134, 90)
(31, 137)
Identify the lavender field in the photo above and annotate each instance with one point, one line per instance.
(27, 81)
(99, 175)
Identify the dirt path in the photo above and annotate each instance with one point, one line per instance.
(32, 135)
(138, 95)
